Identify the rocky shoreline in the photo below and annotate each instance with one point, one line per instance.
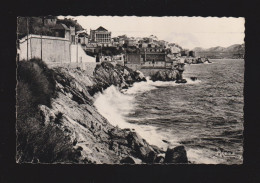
(95, 139)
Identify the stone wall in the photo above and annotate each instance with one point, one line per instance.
(133, 66)
(133, 58)
(79, 55)
(54, 49)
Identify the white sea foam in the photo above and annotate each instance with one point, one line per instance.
(201, 156)
(151, 85)
(140, 87)
(114, 106)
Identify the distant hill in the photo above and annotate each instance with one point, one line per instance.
(233, 51)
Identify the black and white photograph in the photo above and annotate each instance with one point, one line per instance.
(130, 90)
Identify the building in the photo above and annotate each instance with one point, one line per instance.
(163, 43)
(131, 42)
(155, 58)
(133, 61)
(82, 38)
(121, 41)
(92, 47)
(143, 45)
(120, 57)
(115, 39)
(175, 51)
(55, 51)
(100, 35)
(152, 39)
(191, 54)
(184, 53)
(61, 30)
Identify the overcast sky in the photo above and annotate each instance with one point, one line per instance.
(188, 32)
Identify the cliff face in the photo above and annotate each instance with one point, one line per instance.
(97, 140)
(93, 138)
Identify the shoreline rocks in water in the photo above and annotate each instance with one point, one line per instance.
(176, 155)
(197, 60)
(174, 74)
(193, 78)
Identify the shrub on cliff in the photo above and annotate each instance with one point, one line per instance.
(37, 142)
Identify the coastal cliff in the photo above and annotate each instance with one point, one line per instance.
(58, 122)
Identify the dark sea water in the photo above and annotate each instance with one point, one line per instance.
(206, 115)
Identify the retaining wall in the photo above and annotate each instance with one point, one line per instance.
(52, 49)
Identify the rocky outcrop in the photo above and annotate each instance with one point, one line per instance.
(176, 155)
(73, 112)
(174, 74)
(197, 61)
(107, 74)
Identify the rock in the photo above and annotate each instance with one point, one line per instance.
(159, 159)
(124, 87)
(127, 160)
(46, 114)
(193, 78)
(165, 141)
(176, 155)
(181, 81)
(151, 157)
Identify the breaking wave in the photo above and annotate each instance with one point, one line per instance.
(115, 106)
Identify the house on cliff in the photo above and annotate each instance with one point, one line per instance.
(82, 38)
(61, 30)
(133, 60)
(153, 58)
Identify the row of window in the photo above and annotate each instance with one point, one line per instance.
(103, 36)
(154, 50)
(103, 40)
(156, 63)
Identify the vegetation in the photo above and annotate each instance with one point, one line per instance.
(36, 141)
(110, 51)
(70, 22)
(36, 26)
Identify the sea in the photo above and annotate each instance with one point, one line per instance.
(205, 115)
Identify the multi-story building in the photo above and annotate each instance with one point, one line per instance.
(155, 58)
(100, 35)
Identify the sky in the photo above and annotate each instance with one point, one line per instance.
(188, 32)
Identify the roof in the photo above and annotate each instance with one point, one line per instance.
(83, 34)
(101, 29)
(60, 27)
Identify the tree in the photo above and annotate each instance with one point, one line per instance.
(70, 22)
